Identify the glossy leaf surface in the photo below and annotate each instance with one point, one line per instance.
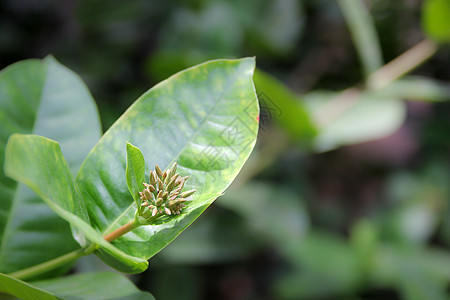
(205, 118)
(45, 98)
(99, 285)
(22, 290)
(39, 163)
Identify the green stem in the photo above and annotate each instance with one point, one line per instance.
(53, 264)
(71, 256)
(361, 26)
(401, 65)
(133, 224)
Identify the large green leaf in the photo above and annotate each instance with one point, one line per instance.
(22, 290)
(436, 20)
(100, 285)
(205, 118)
(39, 163)
(45, 98)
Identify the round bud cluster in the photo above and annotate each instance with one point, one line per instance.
(163, 195)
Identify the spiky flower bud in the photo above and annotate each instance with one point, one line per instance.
(159, 201)
(154, 211)
(160, 184)
(171, 183)
(173, 170)
(158, 171)
(152, 178)
(163, 195)
(187, 193)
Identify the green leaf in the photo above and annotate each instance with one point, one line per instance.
(23, 290)
(99, 285)
(39, 163)
(436, 20)
(135, 172)
(42, 97)
(353, 117)
(205, 118)
(284, 106)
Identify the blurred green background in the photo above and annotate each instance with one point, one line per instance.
(346, 195)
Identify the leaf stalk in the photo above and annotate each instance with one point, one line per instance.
(71, 256)
(133, 224)
(53, 264)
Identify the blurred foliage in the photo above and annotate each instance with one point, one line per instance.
(437, 20)
(347, 195)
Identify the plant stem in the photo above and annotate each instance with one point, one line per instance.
(361, 26)
(401, 65)
(53, 264)
(133, 224)
(71, 256)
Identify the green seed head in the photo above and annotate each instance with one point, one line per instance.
(163, 194)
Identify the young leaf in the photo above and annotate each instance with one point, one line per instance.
(41, 97)
(205, 118)
(39, 163)
(135, 172)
